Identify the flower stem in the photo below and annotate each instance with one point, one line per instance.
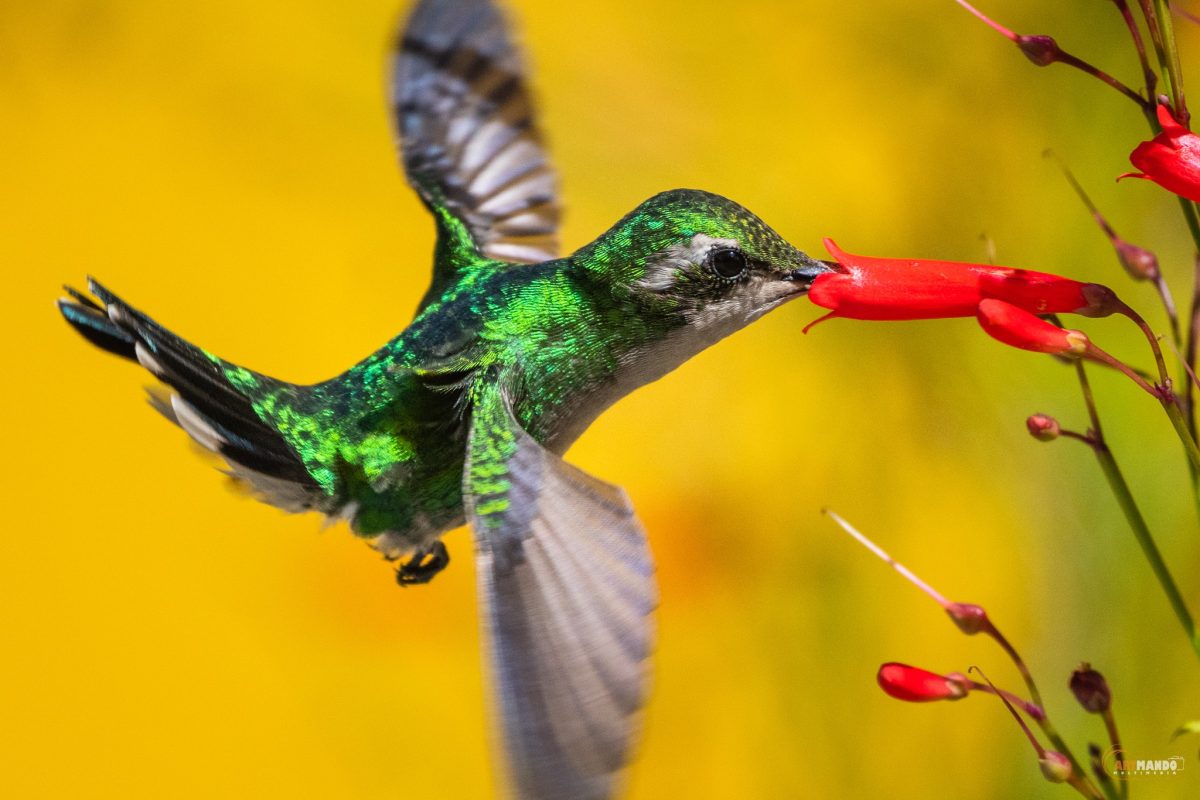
(1171, 52)
(1163, 392)
(1141, 532)
(1164, 292)
(1175, 413)
(1158, 20)
(1078, 779)
(1032, 710)
(1043, 722)
(1110, 724)
(1148, 75)
(1102, 777)
(1189, 358)
(1100, 357)
(1073, 61)
(1148, 332)
(1133, 515)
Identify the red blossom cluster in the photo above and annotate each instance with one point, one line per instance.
(1005, 300)
(916, 685)
(1018, 308)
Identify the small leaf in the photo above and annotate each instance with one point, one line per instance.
(1187, 727)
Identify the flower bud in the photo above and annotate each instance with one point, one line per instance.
(969, 617)
(1043, 428)
(1041, 50)
(1016, 327)
(1140, 263)
(1090, 689)
(916, 685)
(1055, 766)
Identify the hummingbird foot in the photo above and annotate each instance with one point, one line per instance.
(425, 563)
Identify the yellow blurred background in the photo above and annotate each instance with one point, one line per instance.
(229, 168)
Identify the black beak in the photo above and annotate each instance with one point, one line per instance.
(807, 273)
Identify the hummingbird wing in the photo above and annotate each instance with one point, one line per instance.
(469, 144)
(567, 588)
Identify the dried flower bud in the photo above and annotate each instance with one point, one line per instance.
(1090, 689)
(1042, 427)
(1055, 766)
(1041, 50)
(916, 685)
(1140, 263)
(969, 617)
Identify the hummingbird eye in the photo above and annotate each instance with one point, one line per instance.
(727, 262)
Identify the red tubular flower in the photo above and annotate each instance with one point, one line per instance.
(1018, 328)
(902, 289)
(917, 685)
(1171, 159)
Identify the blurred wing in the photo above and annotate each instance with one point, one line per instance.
(567, 588)
(467, 133)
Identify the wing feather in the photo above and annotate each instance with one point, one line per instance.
(567, 588)
(468, 139)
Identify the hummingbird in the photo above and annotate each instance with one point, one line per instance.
(464, 416)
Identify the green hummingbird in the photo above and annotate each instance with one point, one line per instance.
(464, 416)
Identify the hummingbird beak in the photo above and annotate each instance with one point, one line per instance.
(805, 275)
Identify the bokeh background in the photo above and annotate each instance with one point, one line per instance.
(229, 167)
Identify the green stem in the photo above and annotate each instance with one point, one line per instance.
(1189, 211)
(1110, 724)
(1133, 515)
(1175, 413)
(1141, 532)
(1174, 73)
(1043, 721)
(1180, 419)
(1193, 330)
(1102, 778)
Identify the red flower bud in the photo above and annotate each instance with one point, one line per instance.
(1055, 766)
(1043, 428)
(969, 618)
(1018, 328)
(902, 289)
(1171, 159)
(917, 685)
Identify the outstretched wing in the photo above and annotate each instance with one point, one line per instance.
(467, 134)
(567, 588)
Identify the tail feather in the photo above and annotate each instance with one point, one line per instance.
(204, 401)
(95, 326)
(205, 387)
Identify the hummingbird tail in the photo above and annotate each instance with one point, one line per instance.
(214, 401)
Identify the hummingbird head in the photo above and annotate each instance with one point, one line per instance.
(699, 260)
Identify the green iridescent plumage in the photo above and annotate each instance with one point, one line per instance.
(464, 416)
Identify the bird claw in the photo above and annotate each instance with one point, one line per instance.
(424, 564)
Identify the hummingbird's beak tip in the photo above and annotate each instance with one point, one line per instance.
(808, 273)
